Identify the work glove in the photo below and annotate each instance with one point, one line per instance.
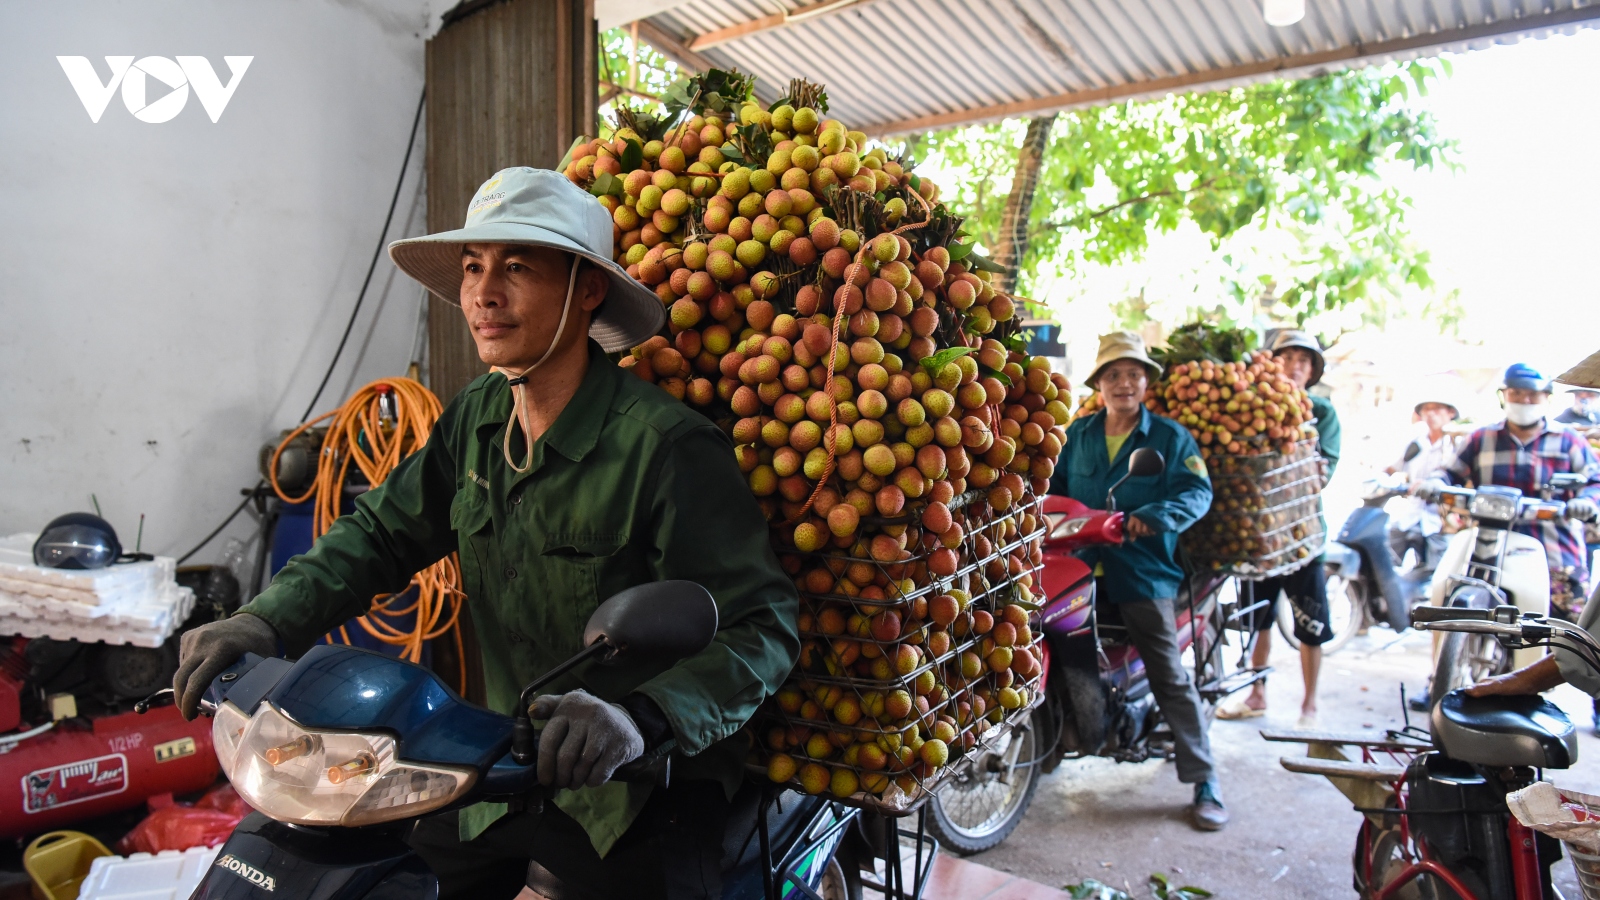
(1582, 509)
(206, 651)
(585, 740)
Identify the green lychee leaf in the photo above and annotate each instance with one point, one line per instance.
(632, 155)
(731, 152)
(678, 92)
(979, 261)
(958, 252)
(997, 375)
(606, 183)
(916, 182)
(936, 363)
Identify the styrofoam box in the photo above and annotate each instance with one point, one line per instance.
(168, 875)
(134, 603)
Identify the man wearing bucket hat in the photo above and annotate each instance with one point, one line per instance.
(1414, 522)
(1584, 411)
(1141, 576)
(560, 480)
(1306, 587)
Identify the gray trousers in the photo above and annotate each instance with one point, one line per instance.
(1154, 633)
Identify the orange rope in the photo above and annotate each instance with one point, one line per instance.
(363, 433)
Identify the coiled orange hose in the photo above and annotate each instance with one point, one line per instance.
(376, 439)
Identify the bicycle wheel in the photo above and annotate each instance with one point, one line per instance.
(982, 805)
(1346, 602)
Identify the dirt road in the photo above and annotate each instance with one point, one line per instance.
(1291, 835)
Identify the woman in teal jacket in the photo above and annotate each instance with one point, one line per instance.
(1141, 575)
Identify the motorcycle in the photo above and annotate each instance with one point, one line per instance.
(1365, 584)
(1437, 824)
(1488, 565)
(1097, 699)
(342, 751)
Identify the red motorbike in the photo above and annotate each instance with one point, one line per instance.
(1097, 699)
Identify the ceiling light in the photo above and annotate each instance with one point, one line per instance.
(1283, 13)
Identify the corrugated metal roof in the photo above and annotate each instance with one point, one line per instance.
(893, 66)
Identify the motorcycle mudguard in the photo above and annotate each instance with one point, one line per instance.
(1339, 559)
(264, 858)
(1370, 539)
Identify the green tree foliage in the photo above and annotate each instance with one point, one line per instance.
(634, 81)
(1305, 156)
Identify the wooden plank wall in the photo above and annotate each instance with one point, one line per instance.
(511, 83)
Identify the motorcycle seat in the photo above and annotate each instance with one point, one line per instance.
(1504, 731)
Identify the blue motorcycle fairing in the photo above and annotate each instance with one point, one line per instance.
(339, 688)
(263, 858)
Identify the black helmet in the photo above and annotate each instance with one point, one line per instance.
(77, 541)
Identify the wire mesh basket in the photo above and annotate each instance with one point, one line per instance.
(1586, 866)
(895, 658)
(1266, 514)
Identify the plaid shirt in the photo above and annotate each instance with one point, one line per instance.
(1492, 455)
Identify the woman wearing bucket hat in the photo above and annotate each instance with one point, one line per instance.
(1306, 587)
(1140, 577)
(561, 480)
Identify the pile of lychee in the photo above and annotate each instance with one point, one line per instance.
(822, 312)
(1257, 434)
(1247, 407)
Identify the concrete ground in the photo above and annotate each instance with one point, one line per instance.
(1291, 835)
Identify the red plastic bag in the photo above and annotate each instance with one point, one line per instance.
(176, 826)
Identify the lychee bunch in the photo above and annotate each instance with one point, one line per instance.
(823, 312)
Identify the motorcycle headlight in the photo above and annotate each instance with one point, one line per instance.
(1495, 506)
(310, 777)
(227, 729)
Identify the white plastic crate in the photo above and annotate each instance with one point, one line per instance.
(134, 603)
(168, 875)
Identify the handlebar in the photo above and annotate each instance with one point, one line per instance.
(1514, 628)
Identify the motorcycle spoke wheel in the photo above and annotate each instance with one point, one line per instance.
(981, 806)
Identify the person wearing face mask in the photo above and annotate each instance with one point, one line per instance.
(1585, 409)
(1523, 452)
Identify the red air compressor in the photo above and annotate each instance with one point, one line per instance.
(56, 773)
(75, 771)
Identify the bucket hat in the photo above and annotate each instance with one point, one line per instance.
(541, 208)
(1122, 345)
(1585, 376)
(1293, 337)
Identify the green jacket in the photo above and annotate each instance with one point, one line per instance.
(628, 486)
(1145, 569)
(1327, 430)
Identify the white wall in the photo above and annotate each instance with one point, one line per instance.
(170, 294)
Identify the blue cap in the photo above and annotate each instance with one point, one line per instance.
(1522, 376)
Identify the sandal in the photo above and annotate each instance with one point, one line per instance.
(1238, 709)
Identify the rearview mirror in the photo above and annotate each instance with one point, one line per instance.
(664, 620)
(1144, 462)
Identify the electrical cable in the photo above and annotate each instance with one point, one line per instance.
(378, 427)
(218, 530)
(388, 219)
(372, 266)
